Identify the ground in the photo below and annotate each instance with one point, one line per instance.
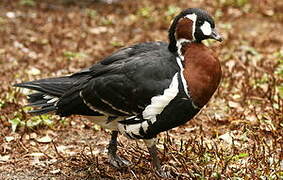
(238, 135)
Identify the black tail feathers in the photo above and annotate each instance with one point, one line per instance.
(60, 95)
(51, 86)
(46, 103)
(49, 92)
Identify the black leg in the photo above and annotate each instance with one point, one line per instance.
(152, 149)
(112, 146)
(155, 160)
(114, 159)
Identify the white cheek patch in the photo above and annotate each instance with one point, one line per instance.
(206, 28)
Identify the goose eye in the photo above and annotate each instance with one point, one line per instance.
(199, 22)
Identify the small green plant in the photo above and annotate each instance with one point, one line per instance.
(145, 12)
(2, 20)
(216, 175)
(91, 13)
(279, 69)
(279, 72)
(71, 55)
(241, 3)
(240, 156)
(116, 43)
(106, 21)
(16, 122)
(235, 3)
(28, 2)
(34, 121)
(2, 103)
(172, 10)
(44, 120)
(280, 90)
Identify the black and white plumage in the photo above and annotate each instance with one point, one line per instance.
(139, 91)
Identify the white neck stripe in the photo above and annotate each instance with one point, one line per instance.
(184, 82)
(192, 17)
(179, 47)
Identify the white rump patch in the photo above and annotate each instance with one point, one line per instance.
(144, 126)
(206, 28)
(130, 129)
(133, 128)
(104, 122)
(158, 103)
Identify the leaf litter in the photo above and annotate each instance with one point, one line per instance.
(237, 136)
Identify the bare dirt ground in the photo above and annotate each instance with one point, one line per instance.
(237, 136)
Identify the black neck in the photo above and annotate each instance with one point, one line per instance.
(172, 42)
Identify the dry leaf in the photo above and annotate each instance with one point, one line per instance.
(45, 139)
(234, 104)
(37, 154)
(4, 158)
(55, 171)
(227, 138)
(9, 138)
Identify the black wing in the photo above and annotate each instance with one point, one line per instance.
(120, 85)
(124, 83)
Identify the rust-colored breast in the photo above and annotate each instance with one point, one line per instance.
(202, 71)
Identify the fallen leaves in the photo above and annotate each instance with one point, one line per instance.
(4, 158)
(227, 137)
(234, 104)
(9, 138)
(44, 139)
(238, 134)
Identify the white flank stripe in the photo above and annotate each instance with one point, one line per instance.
(116, 109)
(131, 117)
(158, 103)
(93, 108)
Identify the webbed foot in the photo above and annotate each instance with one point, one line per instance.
(118, 161)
